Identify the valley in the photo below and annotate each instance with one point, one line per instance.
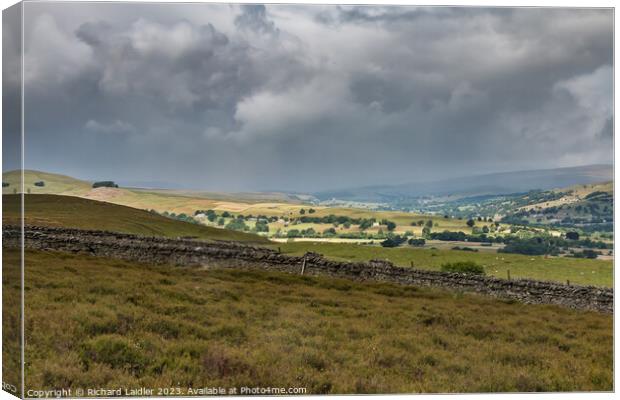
(200, 325)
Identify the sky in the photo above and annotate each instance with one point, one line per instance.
(308, 98)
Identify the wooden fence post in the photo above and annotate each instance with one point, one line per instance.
(303, 266)
(508, 271)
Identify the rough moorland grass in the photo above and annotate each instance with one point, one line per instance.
(560, 269)
(94, 322)
(75, 212)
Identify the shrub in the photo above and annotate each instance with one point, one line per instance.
(115, 351)
(464, 249)
(417, 242)
(217, 363)
(39, 184)
(592, 254)
(464, 267)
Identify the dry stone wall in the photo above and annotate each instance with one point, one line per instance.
(236, 255)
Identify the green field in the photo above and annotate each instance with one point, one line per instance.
(561, 269)
(95, 322)
(75, 212)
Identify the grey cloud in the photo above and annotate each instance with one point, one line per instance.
(116, 127)
(254, 17)
(308, 98)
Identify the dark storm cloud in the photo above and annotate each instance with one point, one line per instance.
(254, 17)
(307, 98)
(11, 88)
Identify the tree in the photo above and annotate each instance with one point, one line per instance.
(365, 224)
(261, 226)
(293, 233)
(237, 224)
(225, 214)
(429, 223)
(221, 222)
(485, 229)
(572, 235)
(417, 242)
(329, 232)
(471, 223)
(390, 225)
(426, 231)
(302, 211)
(311, 211)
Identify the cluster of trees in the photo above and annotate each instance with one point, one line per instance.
(181, 217)
(465, 249)
(105, 184)
(394, 241)
(586, 254)
(421, 222)
(450, 236)
(336, 220)
(310, 232)
(238, 221)
(237, 224)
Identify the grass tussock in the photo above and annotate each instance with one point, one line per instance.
(92, 322)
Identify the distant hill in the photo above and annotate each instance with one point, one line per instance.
(75, 212)
(53, 183)
(177, 200)
(489, 184)
(585, 206)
